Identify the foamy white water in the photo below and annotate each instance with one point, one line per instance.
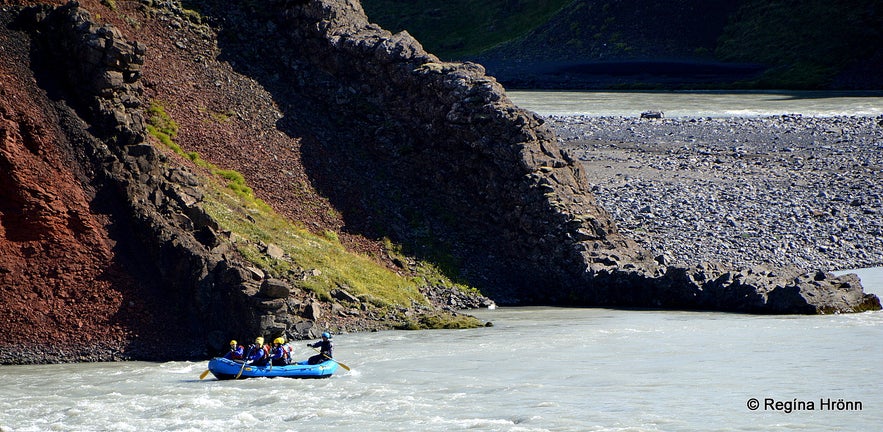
(700, 104)
(537, 369)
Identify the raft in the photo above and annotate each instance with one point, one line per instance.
(224, 369)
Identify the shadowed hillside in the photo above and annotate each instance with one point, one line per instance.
(671, 44)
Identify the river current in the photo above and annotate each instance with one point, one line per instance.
(535, 369)
(701, 104)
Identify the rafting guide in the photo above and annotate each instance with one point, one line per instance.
(325, 349)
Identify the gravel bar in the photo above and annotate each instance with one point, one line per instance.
(784, 190)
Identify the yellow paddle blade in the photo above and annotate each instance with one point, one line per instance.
(329, 358)
(204, 374)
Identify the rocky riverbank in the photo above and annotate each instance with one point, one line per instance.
(115, 244)
(785, 190)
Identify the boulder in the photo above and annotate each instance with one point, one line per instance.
(275, 288)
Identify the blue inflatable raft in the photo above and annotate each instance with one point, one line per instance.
(224, 369)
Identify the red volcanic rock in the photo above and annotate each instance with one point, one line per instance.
(57, 269)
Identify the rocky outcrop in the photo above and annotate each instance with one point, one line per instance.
(489, 180)
(169, 263)
(163, 280)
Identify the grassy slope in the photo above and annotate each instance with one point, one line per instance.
(806, 43)
(253, 224)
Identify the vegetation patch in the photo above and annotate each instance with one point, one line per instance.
(318, 262)
(439, 272)
(162, 127)
(440, 321)
(220, 117)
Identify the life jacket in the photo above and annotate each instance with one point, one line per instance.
(253, 349)
(286, 351)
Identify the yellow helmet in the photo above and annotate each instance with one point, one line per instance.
(259, 340)
(279, 341)
(233, 342)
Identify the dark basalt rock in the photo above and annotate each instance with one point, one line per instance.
(526, 226)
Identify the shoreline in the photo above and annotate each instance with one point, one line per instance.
(787, 190)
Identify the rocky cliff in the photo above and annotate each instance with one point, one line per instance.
(108, 245)
(89, 201)
(459, 165)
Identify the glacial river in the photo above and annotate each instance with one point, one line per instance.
(701, 104)
(536, 369)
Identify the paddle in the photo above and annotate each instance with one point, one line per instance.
(244, 362)
(204, 374)
(329, 358)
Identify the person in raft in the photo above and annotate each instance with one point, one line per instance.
(280, 354)
(237, 352)
(324, 346)
(258, 355)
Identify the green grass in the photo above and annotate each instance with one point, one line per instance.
(256, 224)
(440, 321)
(458, 28)
(805, 45)
(162, 127)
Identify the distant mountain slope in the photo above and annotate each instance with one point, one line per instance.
(457, 28)
(814, 43)
(671, 44)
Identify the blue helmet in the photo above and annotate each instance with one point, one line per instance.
(326, 335)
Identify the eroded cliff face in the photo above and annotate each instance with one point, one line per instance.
(54, 232)
(438, 153)
(431, 154)
(108, 253)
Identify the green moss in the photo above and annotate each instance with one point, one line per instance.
(441, 321)
(161, 122)
(330, 235)
(325, 262)
(219, 117)
(162, 127)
